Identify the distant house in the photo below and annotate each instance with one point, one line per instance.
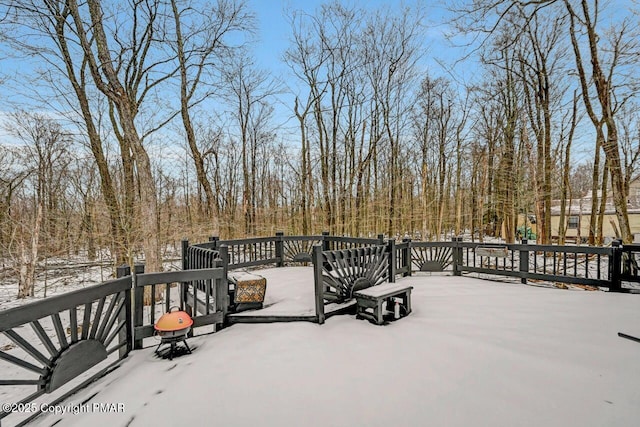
(579, 216)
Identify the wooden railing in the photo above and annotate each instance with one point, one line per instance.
(47, 344)
(277, 250)
(201, 293)
(99, 325)
(582, 265)
(50, 349)
(626, 265)
(605, 267)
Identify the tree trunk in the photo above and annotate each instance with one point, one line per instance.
(124, 102)
(604, 90)
(119, 243)
(29, 258)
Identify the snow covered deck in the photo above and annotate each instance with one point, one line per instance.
(290, 292)
(472, 353)
(290, 296)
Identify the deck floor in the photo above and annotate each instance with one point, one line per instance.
(290, 292)
(472, 352)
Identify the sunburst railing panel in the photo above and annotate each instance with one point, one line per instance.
(341, 269)
(299, 249)
(45, 345)
(431, 256)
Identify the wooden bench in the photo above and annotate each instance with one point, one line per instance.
(370, 301)
(246, 291)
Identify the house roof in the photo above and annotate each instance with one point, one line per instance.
(582, 206)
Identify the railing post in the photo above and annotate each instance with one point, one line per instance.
(524, 262)
(123, 271)
(138, 304)
(391, 248)
(222, 288)
(615, 267)
(185, 249)
(460, 255)
(381, 238)
(186, 265)
(325, 241)
(406, 256)
(279, 249)
(224, 257)
(125, 334)
(216, 241)
(319, 285)
(457, 256)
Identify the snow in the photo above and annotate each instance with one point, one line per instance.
(290, 291)
(383, 289)
(472, 352)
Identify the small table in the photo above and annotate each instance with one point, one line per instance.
(247, 291)
(374, 297)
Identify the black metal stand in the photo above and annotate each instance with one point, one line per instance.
(173, 342)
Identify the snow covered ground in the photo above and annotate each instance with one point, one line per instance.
(473, 352)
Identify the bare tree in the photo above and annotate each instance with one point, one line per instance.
(566, 191)
(45, 155)
(201, 50)
(391, 51)
(250, 90)
(539, 52)
(607, 53)
(306, 187)
(126, 93)
(12, 175)
(436, 133)
(604, 85)
(51, 20)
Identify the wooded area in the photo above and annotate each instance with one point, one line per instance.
(143, 122)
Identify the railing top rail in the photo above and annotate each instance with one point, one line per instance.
(566, 249)
(254, 240)
(248, 241)
(207, 245)
(37, 310)
(178, 276)
(420, 243)
(524, 247)
(347, 239)
(302, 238)
(244, 264)
(429, 244)
(353, 252)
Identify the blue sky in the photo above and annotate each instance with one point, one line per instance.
(273, 38)
(274, 33)
(274, 30)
